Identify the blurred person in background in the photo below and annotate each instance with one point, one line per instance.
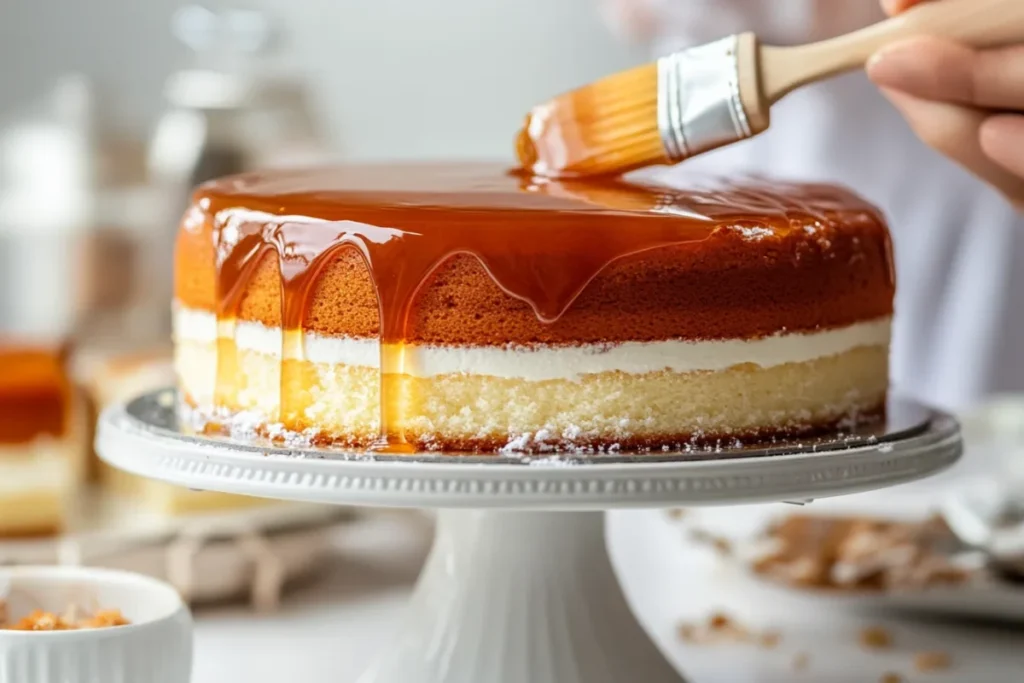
(959, 329)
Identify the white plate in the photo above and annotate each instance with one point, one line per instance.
(994, 445)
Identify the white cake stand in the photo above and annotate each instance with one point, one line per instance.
(519, 587)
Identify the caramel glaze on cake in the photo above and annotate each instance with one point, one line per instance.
(473, 257)
(35, 393)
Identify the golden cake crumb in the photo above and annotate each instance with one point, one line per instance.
(801, 660)
(890, 678)
(927, 662)
(875, 638)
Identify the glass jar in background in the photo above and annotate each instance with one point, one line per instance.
(233, 110)
(46, 205)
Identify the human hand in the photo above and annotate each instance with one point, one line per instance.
(967, 104)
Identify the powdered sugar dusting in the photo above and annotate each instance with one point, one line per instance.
(545, 447)
(517, 444)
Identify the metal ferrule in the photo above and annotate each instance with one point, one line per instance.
(699, 106)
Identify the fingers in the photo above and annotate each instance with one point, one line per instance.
(954, 98)
(934, 69)
(1002, 140)
(969, 137)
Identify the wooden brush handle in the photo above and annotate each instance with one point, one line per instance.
(977, 23)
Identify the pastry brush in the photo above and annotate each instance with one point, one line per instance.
(712, 95)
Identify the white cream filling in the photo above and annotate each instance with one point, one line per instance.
(551, 362)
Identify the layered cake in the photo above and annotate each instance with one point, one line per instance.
(463, 308)
(42, 439)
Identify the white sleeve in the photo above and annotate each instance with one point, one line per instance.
(673, 24)
(690, 22)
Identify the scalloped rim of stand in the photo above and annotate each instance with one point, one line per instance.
(139, 438)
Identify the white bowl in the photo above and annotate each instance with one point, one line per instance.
(156, 647)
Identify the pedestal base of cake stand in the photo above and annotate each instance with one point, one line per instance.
(520, 597)
(519, 587)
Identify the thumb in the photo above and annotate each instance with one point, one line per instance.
(955, 131)
(1002, 138)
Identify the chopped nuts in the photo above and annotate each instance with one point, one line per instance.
(926, 662)
(69, 621)
(859, 554)
(104, 618)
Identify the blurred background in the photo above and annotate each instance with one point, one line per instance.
(371, 68)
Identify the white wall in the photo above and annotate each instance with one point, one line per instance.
(125, 44)
(393, 78)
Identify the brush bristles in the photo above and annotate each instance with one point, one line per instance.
(610, 126)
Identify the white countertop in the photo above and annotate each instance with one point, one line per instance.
(329, 630)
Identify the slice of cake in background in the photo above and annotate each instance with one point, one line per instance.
(109, 379)
(43, 438)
